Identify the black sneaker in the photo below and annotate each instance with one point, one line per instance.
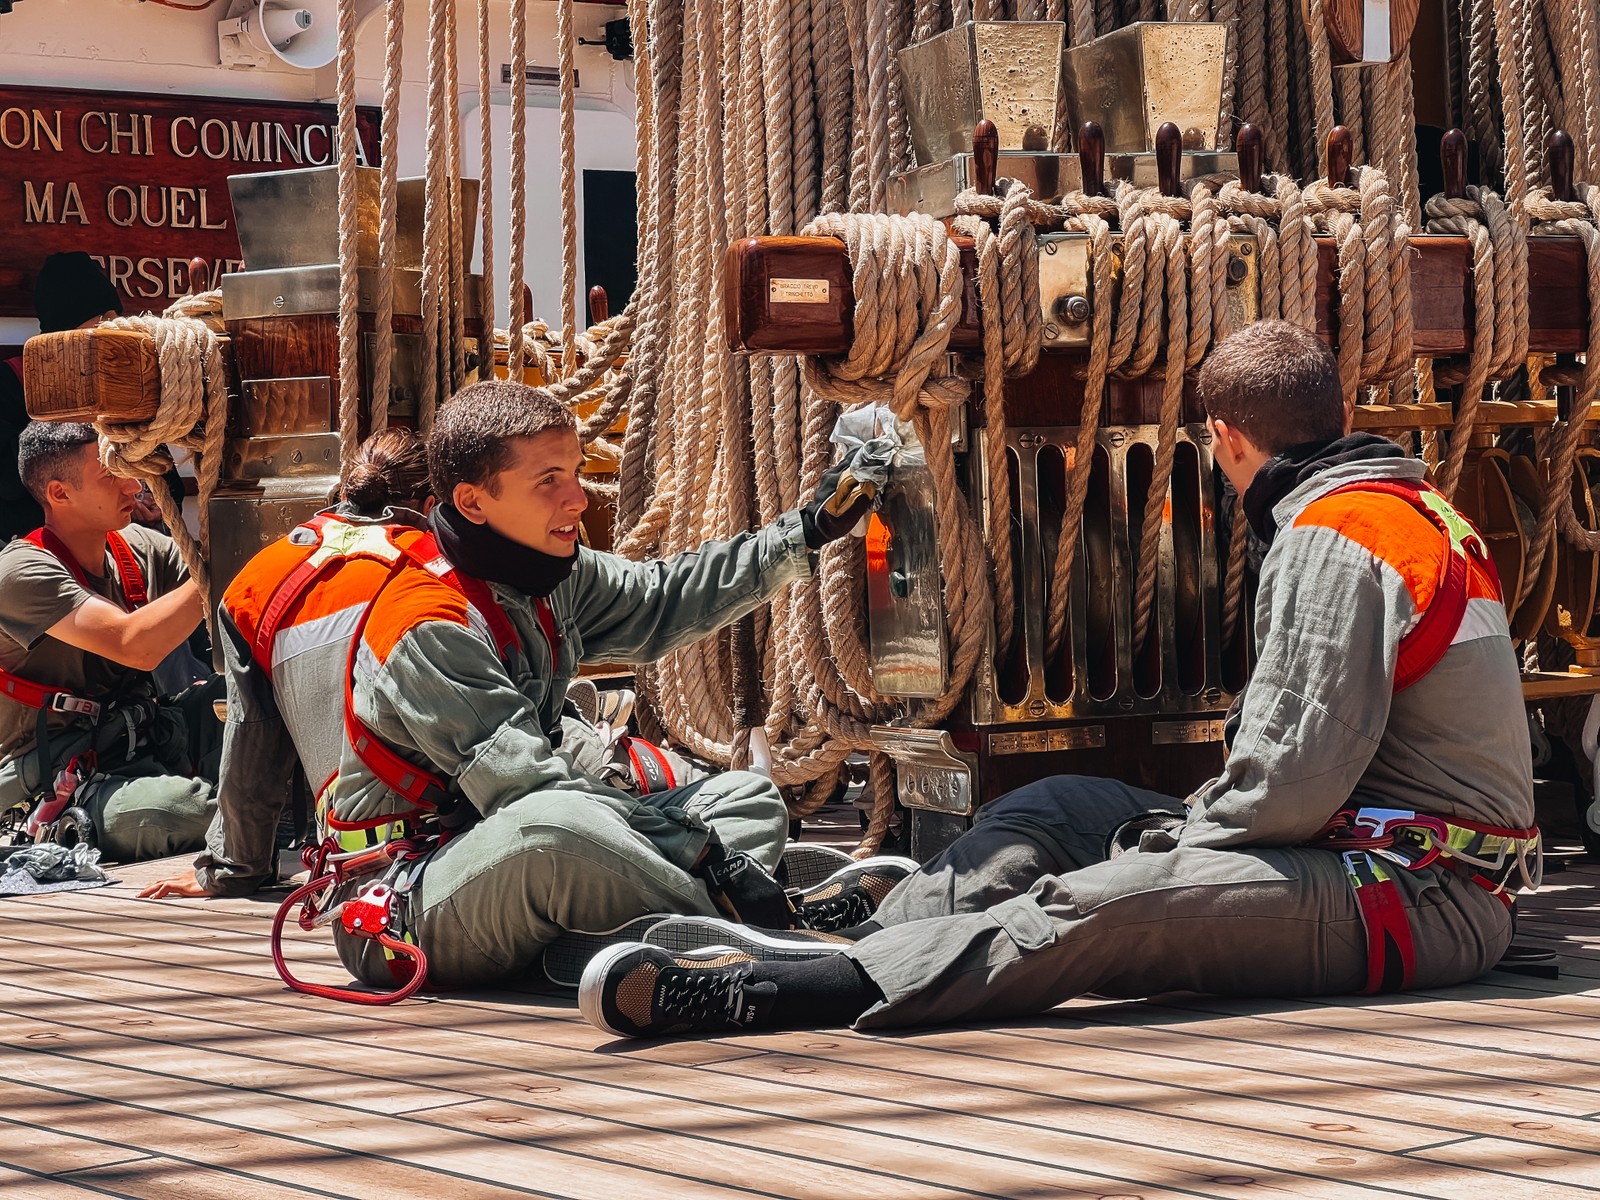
(642, 991)
(565, 958)
(851, 896)
(806, 864)
(680, 935)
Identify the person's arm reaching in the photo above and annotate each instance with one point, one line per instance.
(138, 639)
(637, 612)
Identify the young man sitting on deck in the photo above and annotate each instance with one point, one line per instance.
(1373, 815)
(461, 663)
(90, 607)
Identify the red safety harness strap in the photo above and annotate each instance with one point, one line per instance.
(1391, 954)
(289, 590)
(41, 696)
(652, 772)
(127, 570)
(422, 789)
(1426, 643)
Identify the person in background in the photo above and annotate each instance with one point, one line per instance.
(71, 292)
(1371, 822)
(90, 607)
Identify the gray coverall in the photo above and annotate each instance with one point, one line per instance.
(553, 849)
(1024, 912)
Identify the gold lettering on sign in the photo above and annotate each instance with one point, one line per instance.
(172, 137)
(246, 147)
(83, 132)
(39, 208)
(797, 291)
(116, 198)
(21, 129)
(149, 270)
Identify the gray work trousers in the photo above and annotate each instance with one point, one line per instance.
(1024, 912)
(147, 805)
(490, 899)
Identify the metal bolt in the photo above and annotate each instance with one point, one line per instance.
(278, 302)
(1049, 247)
(1237, 270)
(1052, 330)
(1247, 249)
(1074, 310)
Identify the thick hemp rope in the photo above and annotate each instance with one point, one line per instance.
(569, 186)
(349, 233)
(516, 311)
(388, 209)
(193, 415)
(1500, 323)
(1013, 331)
(1580, 219)
(485, 194)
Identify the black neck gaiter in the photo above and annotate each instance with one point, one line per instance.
(1285, 471)
(482, 553)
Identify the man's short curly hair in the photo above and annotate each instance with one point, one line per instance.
(471, 437)
(1276, 383)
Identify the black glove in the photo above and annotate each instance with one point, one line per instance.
(742, 890)
(841, 501)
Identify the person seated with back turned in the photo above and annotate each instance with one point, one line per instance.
(1374, 811)
(462, 656)
(386, 485)
(91, 606)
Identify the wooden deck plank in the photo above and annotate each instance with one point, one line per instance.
(166, 1020)
(157, 1178)
(18, 1184)
(1321, 1095)
(911, 1159)
(48, 1151)
(1553, 1166)
(1220, 1132)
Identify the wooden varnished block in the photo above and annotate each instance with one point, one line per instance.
(89, 374)
(789, 293)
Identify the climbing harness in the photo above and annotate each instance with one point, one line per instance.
(50, 802)
(1490, 856)
(406, 838)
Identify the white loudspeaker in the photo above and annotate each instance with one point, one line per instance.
(302, 33)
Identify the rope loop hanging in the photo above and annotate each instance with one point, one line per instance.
(1500, 312)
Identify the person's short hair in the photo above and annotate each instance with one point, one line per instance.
(70, 289)
(390, 469)
(1276, 383)
(472, 435)
(48, 450)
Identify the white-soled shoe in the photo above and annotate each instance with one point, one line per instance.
(682, 935)
(567, 956)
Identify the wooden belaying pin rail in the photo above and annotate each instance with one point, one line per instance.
(793, 295)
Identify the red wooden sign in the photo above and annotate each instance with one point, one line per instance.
(141, 182)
